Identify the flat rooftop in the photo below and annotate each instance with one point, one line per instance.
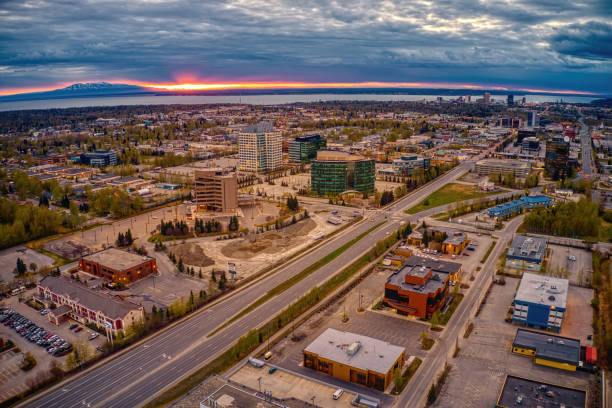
(503, 163)
(435, 282)
(337, 155)
(117, 259)
(544, 290)
(435, 264)
(524, 247)
(372, 354)
(549, 347)
(534, 394)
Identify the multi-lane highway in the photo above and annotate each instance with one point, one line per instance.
(137, 375)
(587, 155)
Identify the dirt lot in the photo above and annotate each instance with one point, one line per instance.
(486, 358)
(270, 242)
(192, 254)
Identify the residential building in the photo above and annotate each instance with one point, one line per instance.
(260, 148)
(526, 252)
(334, 172)
(405, 165)
(540, 302)
(444, 239)
(118, 266)
(99, 158)
(355, 358)
(304, 148)
(421, 286)
(75, 301)
(547, 349)
(216, 190)
(556, 160)
(523, 203)
(485, 167)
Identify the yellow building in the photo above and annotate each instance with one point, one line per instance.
(354, 358)
(552, 351)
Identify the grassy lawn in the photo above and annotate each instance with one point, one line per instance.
(449, 193)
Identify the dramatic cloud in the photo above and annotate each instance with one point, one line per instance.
(517, 43)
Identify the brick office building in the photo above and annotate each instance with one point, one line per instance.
(420, 287)
(118, 266)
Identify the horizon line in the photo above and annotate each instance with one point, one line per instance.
(194, 86)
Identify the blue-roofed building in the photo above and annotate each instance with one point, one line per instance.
(523, 203)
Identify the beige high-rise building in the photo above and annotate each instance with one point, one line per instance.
(216, 190)
(260, 148)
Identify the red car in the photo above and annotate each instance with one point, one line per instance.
(78, 329)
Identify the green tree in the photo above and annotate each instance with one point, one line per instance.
(21, 268)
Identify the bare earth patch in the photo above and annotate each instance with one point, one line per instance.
(192, 254)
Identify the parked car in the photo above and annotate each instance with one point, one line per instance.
(74, 326)
(78, 329)
(93, 336)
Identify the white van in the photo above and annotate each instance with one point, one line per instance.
(338, 393)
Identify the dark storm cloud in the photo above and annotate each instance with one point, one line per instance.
(47, 41)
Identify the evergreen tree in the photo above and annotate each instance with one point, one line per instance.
(21, 268)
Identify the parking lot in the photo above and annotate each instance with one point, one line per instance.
(485, 358)
(13, 381)
(284, 384)
(572, 260)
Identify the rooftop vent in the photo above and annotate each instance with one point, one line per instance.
(551, 298)
(353, 348)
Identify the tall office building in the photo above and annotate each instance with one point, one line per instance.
(304, 148)
(335, 172)
(260, 148)
(216, 190)
(510, 100)
(487, 98)
(533, 119)
(556, 160)
(467, 98)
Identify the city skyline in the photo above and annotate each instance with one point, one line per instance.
(511, 46)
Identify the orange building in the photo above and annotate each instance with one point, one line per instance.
(118, 266)
(420, 287)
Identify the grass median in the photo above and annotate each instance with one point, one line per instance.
(486, 255)
(449, 193)
(290, 282)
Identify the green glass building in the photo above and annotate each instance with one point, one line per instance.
(304, 148)
(335, 172)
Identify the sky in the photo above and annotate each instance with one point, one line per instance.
(514, 44)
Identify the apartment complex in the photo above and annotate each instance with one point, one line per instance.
(99, 158)
(85, 305)
(523, 203)
(260, 148)
(354, 358)
(334, 172)
(304, 148)
(493, 166)
(405, 165)
(216, 190)
(420, 287)
(540, 302)
(118, 266)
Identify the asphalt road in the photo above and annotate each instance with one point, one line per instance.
(420, 383)
(587, 156)
(136, 376)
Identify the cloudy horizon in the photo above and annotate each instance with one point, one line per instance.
(542, 44)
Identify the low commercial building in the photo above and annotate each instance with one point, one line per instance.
(99, 158)
(304, 148)
(443, 239)
(355, 358)
(526, 393)
(526, 252)
(216, 190)
(516, 206)
(118, 266)
(334, 172)
(405, 165)
(540, 302)
(547, 349)
(493, 166)
(86, 305)
(421, 286)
